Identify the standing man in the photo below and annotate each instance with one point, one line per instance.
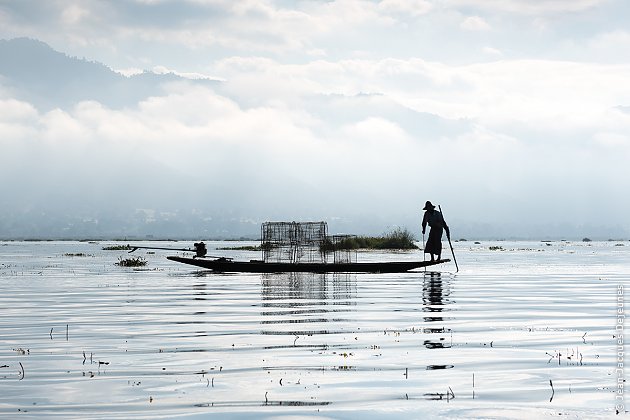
(434, 219)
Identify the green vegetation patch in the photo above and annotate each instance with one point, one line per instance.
(242, 248)
(117, 248)
(397, 239)
(131, 262)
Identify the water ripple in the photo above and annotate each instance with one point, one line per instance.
(80, 337)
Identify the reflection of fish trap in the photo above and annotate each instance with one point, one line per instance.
(343, 253)
(293, 242)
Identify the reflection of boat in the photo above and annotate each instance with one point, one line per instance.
(306, 304)
(258, 266)
(291, 289)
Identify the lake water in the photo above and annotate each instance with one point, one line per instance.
(523, 330)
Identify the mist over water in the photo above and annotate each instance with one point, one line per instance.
(523, 329)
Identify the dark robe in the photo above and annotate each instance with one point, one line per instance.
(435, 220)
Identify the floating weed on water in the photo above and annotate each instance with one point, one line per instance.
(117, 248)
(241, 248)
(131, 262)
(398, 239)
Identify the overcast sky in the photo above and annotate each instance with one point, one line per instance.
(512, 113)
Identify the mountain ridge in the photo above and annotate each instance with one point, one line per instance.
(35, 72)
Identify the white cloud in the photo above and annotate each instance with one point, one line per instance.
(131, 71)
(410, 7)
(613, 140)
(492, 51)
(555, 95)
(529, 7)
(607, 46)
(73, 14)
(14, 110)
(195, 133)
(375, 131)
(551, 94)
(165, 70)
(475, 23)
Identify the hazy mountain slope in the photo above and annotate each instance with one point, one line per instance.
(32, 71)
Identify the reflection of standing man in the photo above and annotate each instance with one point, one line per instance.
(434, 219)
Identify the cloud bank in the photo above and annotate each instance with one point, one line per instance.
(315, 118)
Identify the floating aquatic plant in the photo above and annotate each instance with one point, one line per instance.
(117, 248)
(396, 239)
(242, 248)
(131, 262)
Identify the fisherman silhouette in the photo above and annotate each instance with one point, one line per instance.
(434, 219)
(200, 250)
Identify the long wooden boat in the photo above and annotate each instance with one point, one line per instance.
(257, 266)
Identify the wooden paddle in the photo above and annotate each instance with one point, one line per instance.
(448, 235)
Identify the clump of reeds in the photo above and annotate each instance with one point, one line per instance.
(117, 248)
(131, 262)
(496, 248)
(242, 248)
(396, 239)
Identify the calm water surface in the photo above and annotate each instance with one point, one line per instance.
(524, 329)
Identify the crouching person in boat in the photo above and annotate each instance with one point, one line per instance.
(434, 219)
(200, 250)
